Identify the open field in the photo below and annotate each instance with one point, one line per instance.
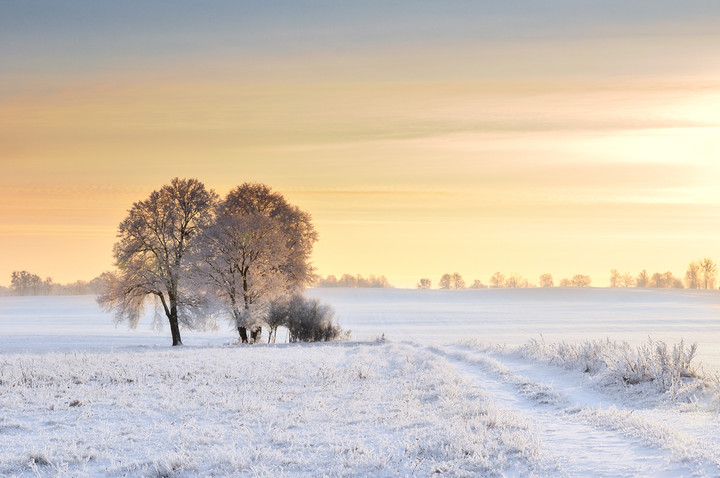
(459, 387)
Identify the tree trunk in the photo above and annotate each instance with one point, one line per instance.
(272, 334)
(243, 334)
(172, 315)
(256, 334)
(175, 331)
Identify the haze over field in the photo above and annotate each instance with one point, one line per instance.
(423, 137)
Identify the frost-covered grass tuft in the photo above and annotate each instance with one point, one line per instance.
(670, 371)
(337, 409)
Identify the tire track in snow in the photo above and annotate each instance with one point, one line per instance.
(586, 439)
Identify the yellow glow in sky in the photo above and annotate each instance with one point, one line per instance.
(558, 154)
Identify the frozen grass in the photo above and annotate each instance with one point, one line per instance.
(651, 368)
(336, 410)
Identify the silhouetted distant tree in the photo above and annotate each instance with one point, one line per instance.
(565, 283)
(458, 281)
(497, 280)
(614, 278)
(26, 283)
(692, 276)
(546, 280)
(580, 280)
(709, 272)
(347, 280)
(665, 280)
(627, 280)
(477, 284)
(445, 281)
(643, 280)
(516, 281)
(451, 281)
(329, 281)
(424, 283)
(657, 280)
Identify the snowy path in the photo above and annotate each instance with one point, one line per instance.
(585, 433)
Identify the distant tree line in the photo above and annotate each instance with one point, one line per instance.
(700, 274)
(27, 283)
(499, 281)
(348, 280)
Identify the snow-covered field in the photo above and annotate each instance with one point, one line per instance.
(467, 383)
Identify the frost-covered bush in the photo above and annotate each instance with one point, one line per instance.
(654, 362)
(307, 320)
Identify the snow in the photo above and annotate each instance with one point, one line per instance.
(458, 388)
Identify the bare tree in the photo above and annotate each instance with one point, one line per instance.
(580, 280)
(329, 281)
(657, 280)
(452, 281)
(692, 276)
(258, 249)
(546, 280)
(516, 281)
(477, 284)
(445, 281)
(614, 278)
(643, 280)
(627, 280)
(424, 283)
(151, 256)
(458, 281)
(497, 280)
(565, 283)
(27, 283)
(348, 280)
(709, 273)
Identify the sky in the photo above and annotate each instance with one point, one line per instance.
(423, 137)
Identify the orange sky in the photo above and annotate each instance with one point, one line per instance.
(560, 149)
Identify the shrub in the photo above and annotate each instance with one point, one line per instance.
(307, 320)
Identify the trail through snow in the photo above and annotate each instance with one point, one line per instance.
(586, 432)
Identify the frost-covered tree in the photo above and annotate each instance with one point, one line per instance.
(546, 280)
(424, 283)
(151, 256)
(257, 250)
